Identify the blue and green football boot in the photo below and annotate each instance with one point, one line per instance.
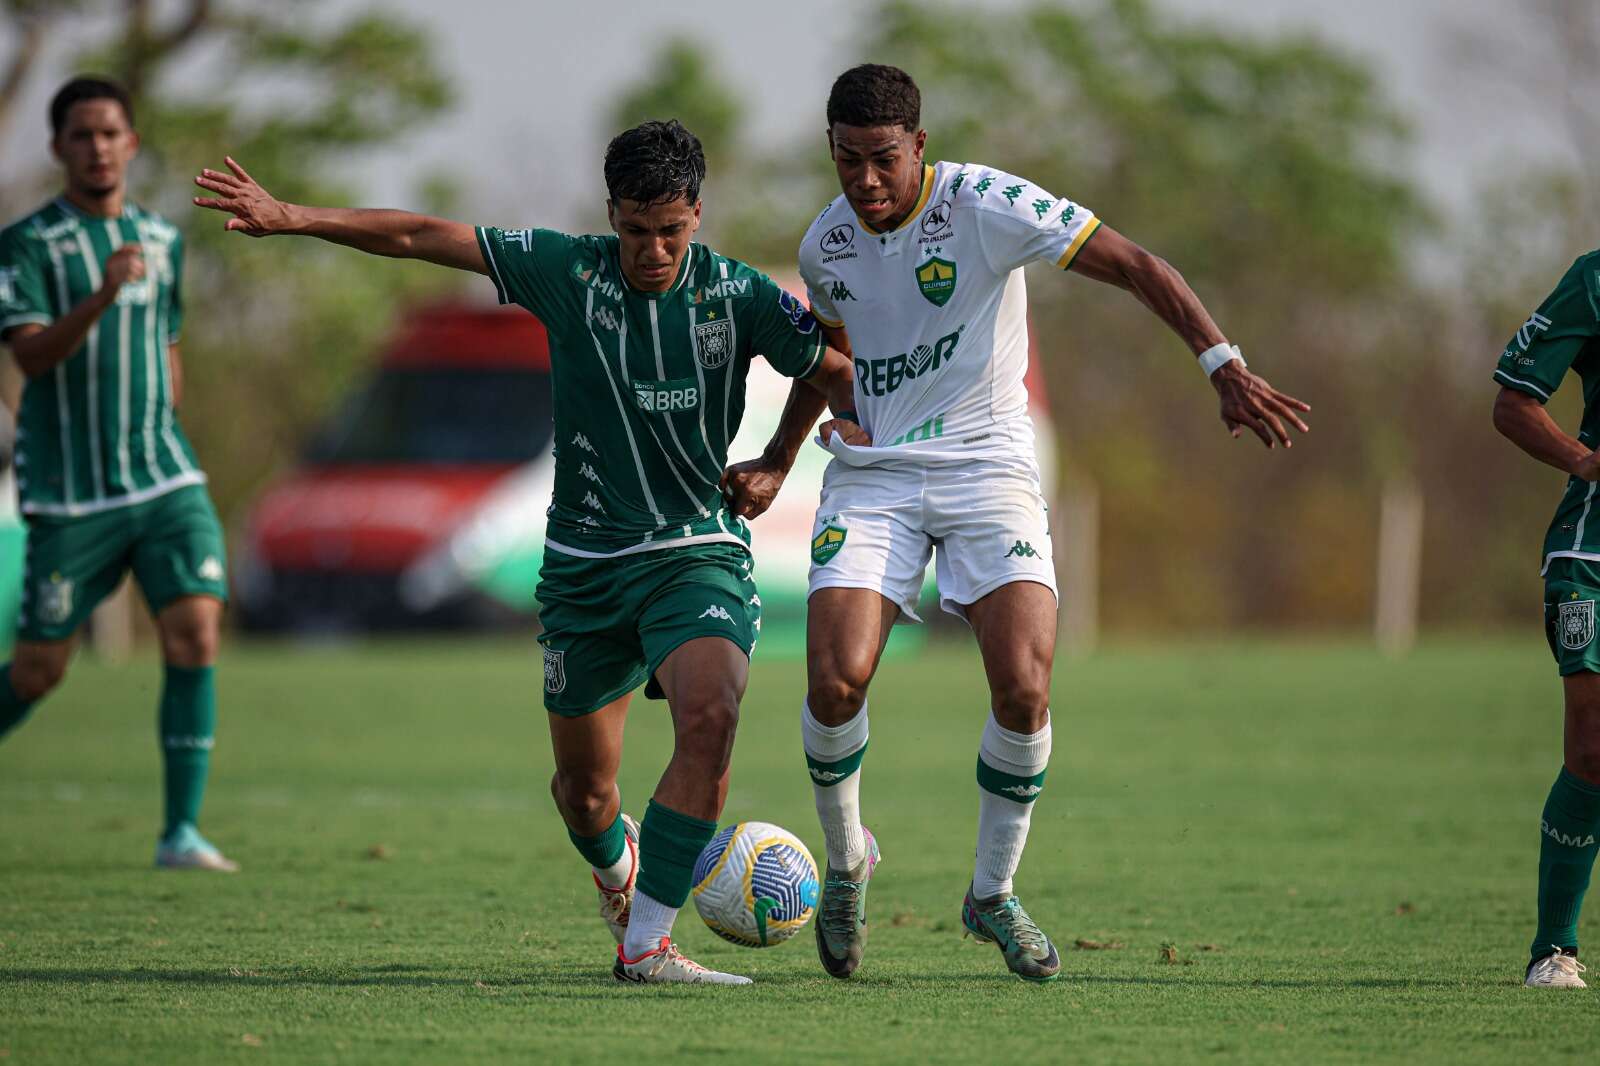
(1028, 952)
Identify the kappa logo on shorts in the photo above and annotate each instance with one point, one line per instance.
(55, 600)
(1023, 549)
(825, 545)
(555, 671)
(719, 613)
(210, 569)
(1577, 624)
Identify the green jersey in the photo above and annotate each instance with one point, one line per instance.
(1563, 334)
(97, 431)
(648, 388)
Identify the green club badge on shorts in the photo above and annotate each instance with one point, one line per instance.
(1576, 620)
(55, 600)
(937, 280)
(826, 545)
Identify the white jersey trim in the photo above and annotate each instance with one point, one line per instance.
(79, 510)
(649, 546)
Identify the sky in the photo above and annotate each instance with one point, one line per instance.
(534, 81)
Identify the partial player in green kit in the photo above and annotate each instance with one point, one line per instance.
(1564, 334)
(647, 568)
(91, 306)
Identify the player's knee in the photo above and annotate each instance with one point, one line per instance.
(32, 678)
(706, 730)
(1023, 705)
(838, 690)
(581, 798)
(191, 645)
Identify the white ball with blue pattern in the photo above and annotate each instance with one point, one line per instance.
(755, 884)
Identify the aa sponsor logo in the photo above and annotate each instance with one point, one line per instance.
(837, 239)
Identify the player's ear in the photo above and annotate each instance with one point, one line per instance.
(919, 142)
(611, 214)
(830, 142)
(696, 226)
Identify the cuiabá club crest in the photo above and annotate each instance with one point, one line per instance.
(937, 280)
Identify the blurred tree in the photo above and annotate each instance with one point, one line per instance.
(274, 329)
(683, 85)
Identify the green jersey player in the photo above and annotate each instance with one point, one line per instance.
(91, 306)
(1564, 334)
(647, 570)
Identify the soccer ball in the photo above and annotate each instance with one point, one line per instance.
(755, 884)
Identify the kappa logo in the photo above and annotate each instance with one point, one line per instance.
(839, 292)
(936, 220)
(588, 471)
(1023, 790)
(1022, 549)
(825, 777)
(1562, 838)
(837, 239)
(583, 442)
(606, 319)
(719, 613)
(210, 569)
(555, 671)
(713, 343)
(1576, 622)
(8, 283)
(591, 500)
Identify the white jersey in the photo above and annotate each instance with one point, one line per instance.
(937, 311)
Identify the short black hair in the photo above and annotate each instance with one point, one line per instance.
(655, 163)
(87, 87)
(875, 95)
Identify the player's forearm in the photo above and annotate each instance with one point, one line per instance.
(1157, 284)
(801, 410)
(1524, 422)
(39, 351)
(394, 234)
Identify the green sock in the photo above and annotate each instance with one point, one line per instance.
(669, 844)
(188, 719)
(13, 708)
(604, 850)
(1567, 850)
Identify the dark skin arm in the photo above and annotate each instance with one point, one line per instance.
(39, 349)
(752, 485)
(396, 234)
(1248, 402)
(175, 368)
(1523, 421)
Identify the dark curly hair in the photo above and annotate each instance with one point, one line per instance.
(875, 95)
(655, 163)
(84, 88)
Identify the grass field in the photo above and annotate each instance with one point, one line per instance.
(1294, 854)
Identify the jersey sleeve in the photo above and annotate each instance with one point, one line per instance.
(1020, 223)
(527, 265)
(23, 297)
(783, 330)
(822, 307)
(1537, 358)
(175, 295)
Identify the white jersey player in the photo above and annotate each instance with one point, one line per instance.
(916, 271)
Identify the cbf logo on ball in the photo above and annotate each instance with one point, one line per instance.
(755, 884)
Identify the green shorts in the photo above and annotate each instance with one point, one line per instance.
(1571, 587)
(609, 623)
(173, 544)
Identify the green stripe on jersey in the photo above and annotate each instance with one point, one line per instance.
(98, 431)
(649, 388)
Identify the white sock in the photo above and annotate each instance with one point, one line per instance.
(1002, 819)
(838, 797)
(648, 922)
(616, 875)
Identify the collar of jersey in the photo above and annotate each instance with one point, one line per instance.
(78, 212)
(922, 201)
(683, 272)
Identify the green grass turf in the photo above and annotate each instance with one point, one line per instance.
(1340, 851)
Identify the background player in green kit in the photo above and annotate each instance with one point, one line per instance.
(1563, 334)
(647, 571)
(90, 304)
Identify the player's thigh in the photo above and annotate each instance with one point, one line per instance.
(180, 551)
(70, 565)
(699, 625)
(588, 748)
(868, 535)
(1016, 630)
(846, 632)
(190, 628)
(993, 530)
(592, 655)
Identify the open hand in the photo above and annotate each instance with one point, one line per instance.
(751, 486)
(256, 212)
(1248, 402)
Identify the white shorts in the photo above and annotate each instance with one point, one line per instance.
(877, 525)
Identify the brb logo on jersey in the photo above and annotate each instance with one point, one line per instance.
(880, 377)
(661, 397)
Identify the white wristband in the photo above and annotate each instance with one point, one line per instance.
(1217, 354)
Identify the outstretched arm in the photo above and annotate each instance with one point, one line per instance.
(1523, 421)
(396, 234)
(1247, 400)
